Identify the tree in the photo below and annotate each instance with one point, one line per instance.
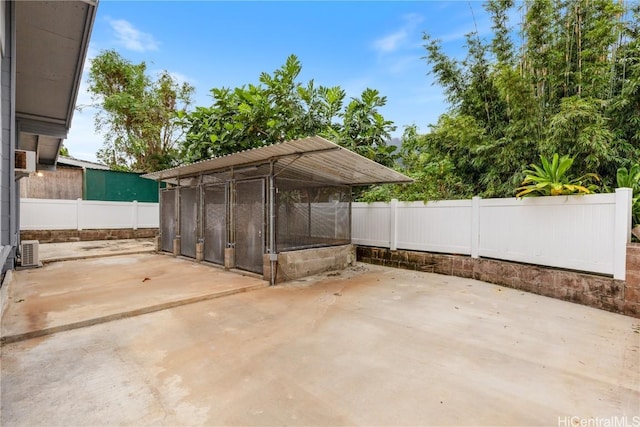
(279, 108)
(138, 115)
(572, 86)
(433, 175)
(364, 130)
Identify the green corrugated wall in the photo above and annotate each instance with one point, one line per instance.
(118, 186)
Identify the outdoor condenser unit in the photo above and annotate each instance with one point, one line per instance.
(25, 161)
(29, 250)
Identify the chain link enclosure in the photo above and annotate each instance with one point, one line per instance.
(311, 215)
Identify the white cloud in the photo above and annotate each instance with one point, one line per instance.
(391, 42)
(397, 39)
(131, 38)
(182, 78)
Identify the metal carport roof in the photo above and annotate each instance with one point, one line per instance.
(313, 159)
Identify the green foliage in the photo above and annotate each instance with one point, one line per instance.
(552, 179)
(630, 178)
(279, 109)
(433, 175)
(138, 115)
(571, 85)
(64, 151)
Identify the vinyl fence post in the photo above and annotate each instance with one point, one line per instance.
(78, 213)
(475, 227)
(393, 229)
(135, 214)
(621, 232)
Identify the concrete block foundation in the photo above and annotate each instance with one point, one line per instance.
(229, 258)
(199, 251)
(307, 262)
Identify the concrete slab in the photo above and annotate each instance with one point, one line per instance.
(72, 294)
(52, 252)
(372, 347)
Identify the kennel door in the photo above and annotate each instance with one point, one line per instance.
(250, 225)
(167, 219)
(188, 221)
(215, 223)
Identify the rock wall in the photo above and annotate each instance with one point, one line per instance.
(60, 236)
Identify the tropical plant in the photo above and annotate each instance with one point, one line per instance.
(280, 108)
(630, 178)
(552, 179)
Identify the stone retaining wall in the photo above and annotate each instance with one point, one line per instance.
(588, 289)
(60, 236)
(632, 283)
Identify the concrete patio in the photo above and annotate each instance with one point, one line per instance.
(52, 252)
(73, 294)
(366, 346)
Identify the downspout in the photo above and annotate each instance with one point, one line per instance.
(13, 238)
(273, 256)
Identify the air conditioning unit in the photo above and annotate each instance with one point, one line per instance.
(25, 161)
(29, 251)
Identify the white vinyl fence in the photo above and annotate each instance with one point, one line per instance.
(54, 214)
(586, 233)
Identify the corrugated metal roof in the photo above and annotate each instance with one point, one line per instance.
(62, 160)
(313, 158)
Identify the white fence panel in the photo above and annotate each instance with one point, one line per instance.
(41, 214)
(443, 226)
(53, 214)
(371, 224)
(148, 215)
(569, 232)
(97, 214)
(587, 233)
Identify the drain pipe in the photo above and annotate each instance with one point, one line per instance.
(273, 256)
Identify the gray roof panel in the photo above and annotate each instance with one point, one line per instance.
(313, 158)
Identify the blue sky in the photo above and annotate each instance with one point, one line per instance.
(355, 45)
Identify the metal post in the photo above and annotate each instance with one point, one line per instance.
(273, 256)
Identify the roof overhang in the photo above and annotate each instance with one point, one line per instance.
(312, 159)
(70, 161)
(51, 42)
